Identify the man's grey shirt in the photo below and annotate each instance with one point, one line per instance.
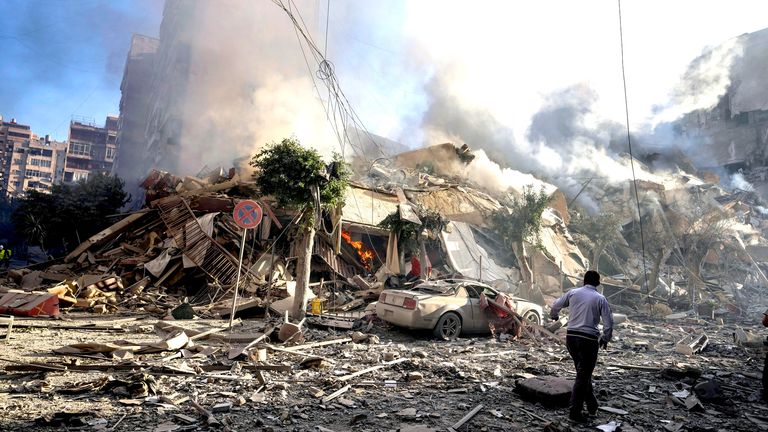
(586, 307)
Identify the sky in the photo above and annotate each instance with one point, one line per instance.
(65, 58)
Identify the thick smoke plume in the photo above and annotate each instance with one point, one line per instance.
(566, 143)
(705, 81)
(248, 84)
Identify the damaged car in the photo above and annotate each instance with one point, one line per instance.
(449, 308)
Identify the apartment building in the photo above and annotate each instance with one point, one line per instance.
(36, 164)
(91, 148)
(136, 91)
(11, 134)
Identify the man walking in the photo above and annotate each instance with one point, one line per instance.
(583, 338)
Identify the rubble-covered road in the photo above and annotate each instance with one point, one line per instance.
(379, 379)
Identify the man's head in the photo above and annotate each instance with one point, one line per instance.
(592, 277)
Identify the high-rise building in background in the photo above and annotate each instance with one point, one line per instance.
(136, 92)
(91, 148)
(11, 134)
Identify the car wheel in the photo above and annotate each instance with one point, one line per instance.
(532, 317)
(448, 326)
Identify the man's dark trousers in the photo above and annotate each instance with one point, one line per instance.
(583, 349)
(765, 377)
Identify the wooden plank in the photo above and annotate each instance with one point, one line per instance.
(371, 369)
(337, 393)
(466, 418)
(318, 344)
(300, 353)
(104, 235)
(235, 352)
(168, 273)
(132, 248)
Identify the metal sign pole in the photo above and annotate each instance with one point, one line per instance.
(237, 283)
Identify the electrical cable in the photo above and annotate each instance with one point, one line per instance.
(338, 104)
(327, 16)
(631, 157)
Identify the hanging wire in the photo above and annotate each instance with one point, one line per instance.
(338, 109)
(327, 16)
(631, 157)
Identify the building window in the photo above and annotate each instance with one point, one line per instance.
(82, 149)
(17, 161)
(40, 162)
(77, 176)
(110, 153)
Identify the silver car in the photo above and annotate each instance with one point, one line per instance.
(448, 308)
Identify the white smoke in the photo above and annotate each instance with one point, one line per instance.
(739, 182)
(490, 175)
(703, 84)
(243, 90)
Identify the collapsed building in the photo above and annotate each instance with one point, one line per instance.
(696, 251)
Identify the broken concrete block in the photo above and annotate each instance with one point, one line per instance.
(31, 280)
(391, 355)
(407, 413)
(183, 311)
(289, 331)
(415, 376)
(222, 407)
(550, 391)
(709, 391)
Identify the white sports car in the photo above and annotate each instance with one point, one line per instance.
(448, 308)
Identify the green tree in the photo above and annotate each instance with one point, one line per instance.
(70, 213)
(410, 236)
(298, 179)
(519, 223)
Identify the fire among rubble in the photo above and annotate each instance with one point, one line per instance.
(365, 253)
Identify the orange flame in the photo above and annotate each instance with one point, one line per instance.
(366, 254)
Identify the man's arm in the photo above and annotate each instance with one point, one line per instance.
(607, 316)
(559, 304)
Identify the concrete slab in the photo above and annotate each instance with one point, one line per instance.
(548, 390)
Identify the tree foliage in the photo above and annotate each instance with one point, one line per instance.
(520, 220)
(69, 211)
(287, 171)
(408, 232)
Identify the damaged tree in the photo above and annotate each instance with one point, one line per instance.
(518, 223)
(298, 178)
(600, 231)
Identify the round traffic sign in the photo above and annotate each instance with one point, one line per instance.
(247, 214)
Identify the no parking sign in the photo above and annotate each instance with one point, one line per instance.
(247, 214)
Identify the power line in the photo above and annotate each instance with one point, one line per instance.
(327, 16)
(631, 157)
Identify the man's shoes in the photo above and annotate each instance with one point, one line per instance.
(578, 417)
(592, 410)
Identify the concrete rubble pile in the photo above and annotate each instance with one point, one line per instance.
(133, 374)
(181, 247)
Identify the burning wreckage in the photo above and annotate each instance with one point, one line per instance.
(415, 234)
